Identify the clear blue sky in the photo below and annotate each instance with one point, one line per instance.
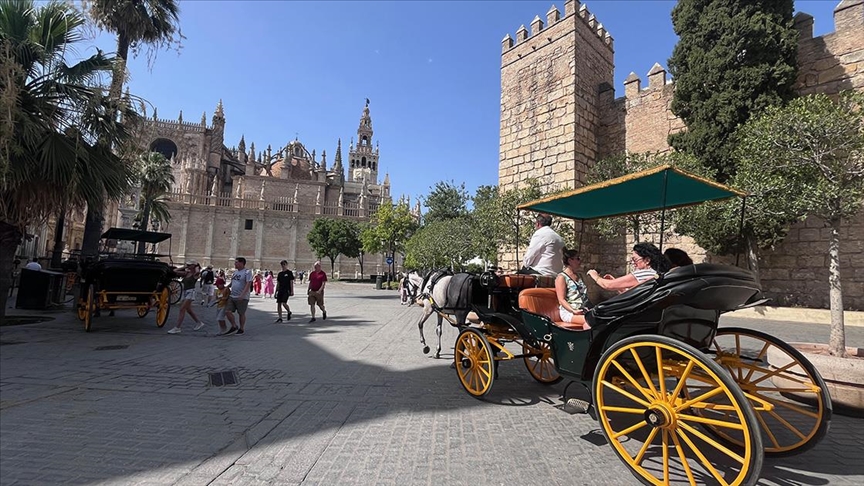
(431, 70)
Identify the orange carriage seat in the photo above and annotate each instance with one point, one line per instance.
(544, 301)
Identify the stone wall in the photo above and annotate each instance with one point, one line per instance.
(794, 273)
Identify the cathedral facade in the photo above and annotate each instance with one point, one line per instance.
(242, 201)
(258, 203)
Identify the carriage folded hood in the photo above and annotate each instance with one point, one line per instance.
(702, 286)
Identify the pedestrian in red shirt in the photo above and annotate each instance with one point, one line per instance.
(317, 280)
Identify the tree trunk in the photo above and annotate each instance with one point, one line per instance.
(95, 219)
(837, 339)
(92, 232)
(145, 222)
(10, 238)
(332, 266)
(57, 254)
(360, 260)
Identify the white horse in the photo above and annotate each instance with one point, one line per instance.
(454, 305)
(412, 286)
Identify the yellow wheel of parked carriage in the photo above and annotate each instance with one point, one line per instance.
(163, 306)
(769, 371)
(653, 394)
(475, 362)
(91, 303)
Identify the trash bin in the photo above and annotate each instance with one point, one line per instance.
(379, 281)
(38, 289)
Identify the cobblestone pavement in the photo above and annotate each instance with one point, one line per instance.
(349, 400)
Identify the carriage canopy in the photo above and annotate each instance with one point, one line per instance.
(135, 235)
(663, 187)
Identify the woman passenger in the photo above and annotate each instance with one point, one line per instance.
(678, 258)
(571, 291)
(648, 263)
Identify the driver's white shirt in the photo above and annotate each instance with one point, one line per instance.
(545, 252)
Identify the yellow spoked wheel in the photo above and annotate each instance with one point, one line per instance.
(475, 363)
(792, 404)
(541, 365)
(91, 303)
(82, 304)
(143, 310)
(642, 391)
(163, 306)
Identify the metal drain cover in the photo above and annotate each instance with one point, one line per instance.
(223, 378)
(109, 348)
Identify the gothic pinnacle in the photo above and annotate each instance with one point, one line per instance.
(180, 118)
(204, 119)
(219, 110)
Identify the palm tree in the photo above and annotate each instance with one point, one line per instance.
(156, 179)
(57, 151)
(136, 22)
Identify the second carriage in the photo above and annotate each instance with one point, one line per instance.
(129, 279)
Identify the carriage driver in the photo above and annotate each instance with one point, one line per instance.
(544, 251)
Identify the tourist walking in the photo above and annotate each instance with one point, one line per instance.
(284, 289)
(189, 274)
(315, 293)
(223, 293)
(207, 288)
(269, 285)
(256, 282)
(241, 284)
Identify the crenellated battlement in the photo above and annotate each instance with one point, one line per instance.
(573, 10)
(656, 80)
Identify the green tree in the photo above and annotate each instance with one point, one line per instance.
(137, 23)
(446, 201)
(497, 221)
(352, 245)
(443, 243)
(734, 59)
(155, 178)
(390, 228)
(333, 237)
(816, 151)
(57, 153)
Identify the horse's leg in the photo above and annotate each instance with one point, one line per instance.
(427, 311)
(438, 332)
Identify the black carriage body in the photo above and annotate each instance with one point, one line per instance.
(684, 304)
(128, 280)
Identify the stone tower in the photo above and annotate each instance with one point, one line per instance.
(364, 160)
(553, 86)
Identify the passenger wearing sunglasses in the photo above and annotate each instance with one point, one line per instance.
(648, 263)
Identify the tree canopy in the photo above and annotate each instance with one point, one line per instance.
(446, 201)
(814, 149)
(333, 237)
(734, 58)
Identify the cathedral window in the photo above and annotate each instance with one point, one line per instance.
(374, 166)
(363, 162)
(248, 224)
(365, 141)
(165, 147)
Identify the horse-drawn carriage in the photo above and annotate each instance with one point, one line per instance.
(678, 398)
(121, 279)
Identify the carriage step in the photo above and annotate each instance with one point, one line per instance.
(575, 405)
